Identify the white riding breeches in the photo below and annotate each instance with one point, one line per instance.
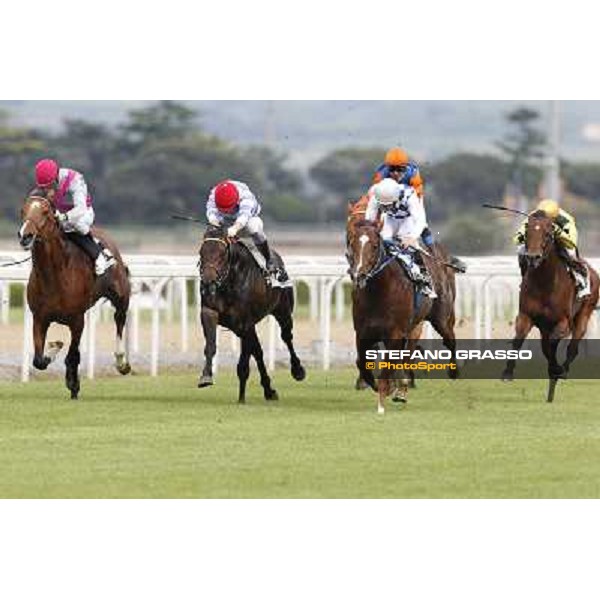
(80, 224)
(255, 228)
(396, 228)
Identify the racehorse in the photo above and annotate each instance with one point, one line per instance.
(441, 314)
(236, 295)
(62, 286)
(385, 309)
(547, 300)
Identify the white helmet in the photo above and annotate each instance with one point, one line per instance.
(387, 191)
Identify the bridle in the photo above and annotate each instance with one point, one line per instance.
(547, 242)
(39, 225)
(221, 278)
(383, 260)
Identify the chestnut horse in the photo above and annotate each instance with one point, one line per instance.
(547, 300)
(384, 307)
(62, 286)
(236, 295)
(441, 314)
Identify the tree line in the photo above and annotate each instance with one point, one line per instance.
(161, 160)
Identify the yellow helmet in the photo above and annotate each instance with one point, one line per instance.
(549, 207)
(396, 157)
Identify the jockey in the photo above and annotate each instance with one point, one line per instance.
(67, 191)
(566, 237)
(397, 166)
(403, 219)
(232, 204)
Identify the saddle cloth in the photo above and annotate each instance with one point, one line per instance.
(404, 256)
(259, 259)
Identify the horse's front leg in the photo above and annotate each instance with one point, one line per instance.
(40, 329)
(73, 357)
(523, 326)
(210, 322)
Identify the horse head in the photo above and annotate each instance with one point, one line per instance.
(215, 253)
(539, 238)
(364, 251)
(37, 221)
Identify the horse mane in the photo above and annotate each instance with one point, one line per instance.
(539, 214)
(215, 231)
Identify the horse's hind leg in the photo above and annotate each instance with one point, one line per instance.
(73, 357)
(579, 329)
(283, 314)
(120, 300)
(243, 367)
(40, 329)
(445, 327)
(257, 352)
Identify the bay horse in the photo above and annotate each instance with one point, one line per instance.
(63, 286)
(236, 295)
(547, 300)
(441, 314)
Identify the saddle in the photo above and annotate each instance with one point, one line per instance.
(281, 279)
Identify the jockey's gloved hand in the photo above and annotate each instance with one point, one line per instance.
(232, 231)
(61, 217)
(214, 221)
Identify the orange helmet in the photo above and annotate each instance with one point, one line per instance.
(396, 157)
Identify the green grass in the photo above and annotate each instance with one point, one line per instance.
(143, 437)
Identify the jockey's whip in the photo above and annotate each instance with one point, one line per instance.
(186, 218)
(506, 209)
(438, 260)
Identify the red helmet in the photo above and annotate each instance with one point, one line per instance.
(227, 196)
(46, 172)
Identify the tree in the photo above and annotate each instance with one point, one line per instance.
(523, 145)
(461, 182)
(164, 120)
(345, 174)
(20, 147)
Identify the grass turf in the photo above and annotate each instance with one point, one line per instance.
(145, 437)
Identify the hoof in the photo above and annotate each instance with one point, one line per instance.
(74, 395)
(41, 363)
(298, 373)
(507, 377)
(271, 395)
(360, 384)
(380, 410)
(399, 399)
(205, 381)
(121, 364)
(124, 369)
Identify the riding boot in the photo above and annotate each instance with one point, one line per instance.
(422, 277)
(270, 265)
(101, 256)
(86, 243)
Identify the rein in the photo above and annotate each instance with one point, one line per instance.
(15, 262)
(383, 261)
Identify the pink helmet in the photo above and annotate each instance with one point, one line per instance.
(226, 196)
(46, 172)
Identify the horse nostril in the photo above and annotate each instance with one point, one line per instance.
(25, 240)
